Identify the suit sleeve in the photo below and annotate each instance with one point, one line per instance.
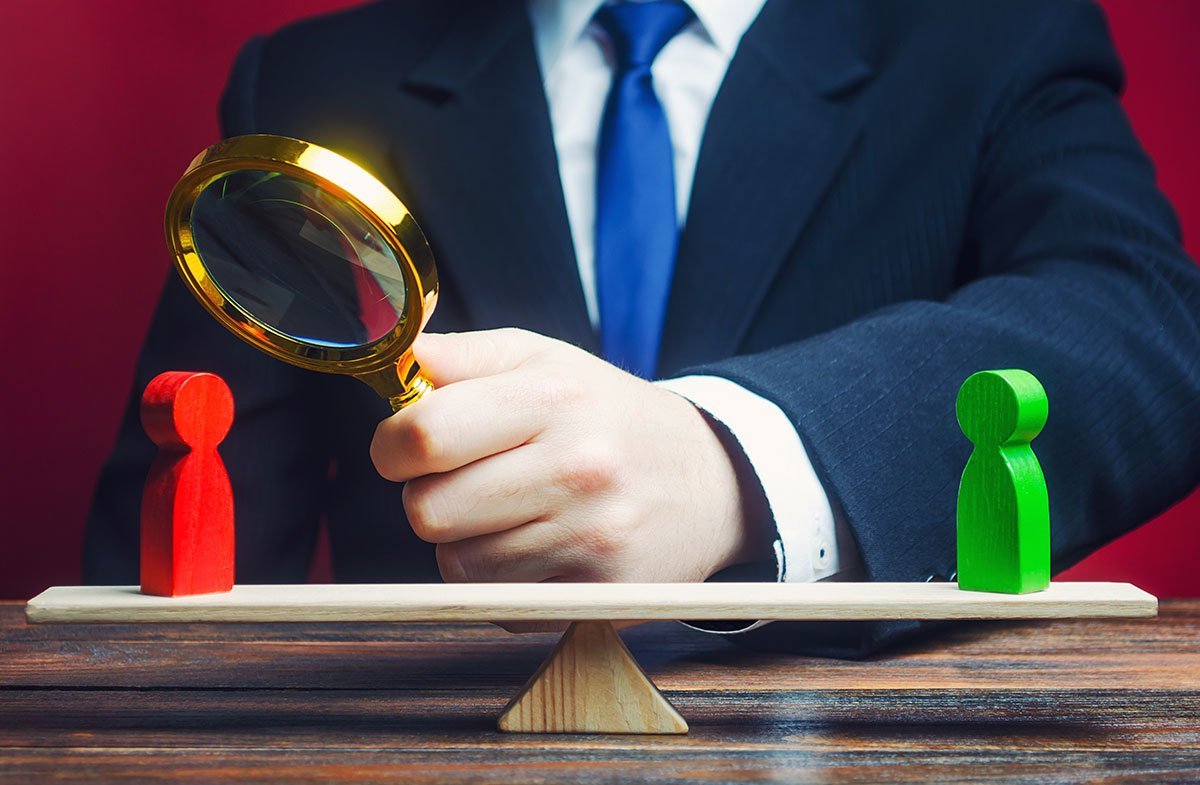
(276, 452)
(1073, 270)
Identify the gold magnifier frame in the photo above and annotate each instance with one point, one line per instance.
(386, 364)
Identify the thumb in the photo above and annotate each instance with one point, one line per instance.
(446, 358)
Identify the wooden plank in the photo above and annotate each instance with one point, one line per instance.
(588, 602)
(1174, 627)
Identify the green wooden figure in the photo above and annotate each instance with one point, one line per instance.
(1003, 509)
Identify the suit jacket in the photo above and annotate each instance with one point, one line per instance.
(888, 197)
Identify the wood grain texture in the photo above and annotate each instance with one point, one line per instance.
(1003, 515)
(590, 683)
(1083, 700)
(587, 602)
(187, 539)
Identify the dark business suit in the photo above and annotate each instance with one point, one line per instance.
(889, 196)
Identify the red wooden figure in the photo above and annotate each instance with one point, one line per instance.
(187, 506)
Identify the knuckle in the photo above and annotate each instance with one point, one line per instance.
(425, 513)
(425, 440)
(591, 470)
(621, 527)
(606, 542)
(604, 545)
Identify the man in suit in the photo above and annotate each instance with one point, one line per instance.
(807, 221)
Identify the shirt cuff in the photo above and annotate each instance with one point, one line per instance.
(809, 545)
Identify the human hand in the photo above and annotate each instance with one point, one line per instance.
(533, 460)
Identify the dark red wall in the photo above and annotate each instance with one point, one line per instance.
(102, 106)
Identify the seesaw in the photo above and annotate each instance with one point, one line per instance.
(590, 682)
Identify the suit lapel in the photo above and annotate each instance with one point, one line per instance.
(776, 135)
(475, 151)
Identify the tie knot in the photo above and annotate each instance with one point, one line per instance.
(639, 31)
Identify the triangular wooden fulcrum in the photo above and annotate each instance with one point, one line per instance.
(590, 683)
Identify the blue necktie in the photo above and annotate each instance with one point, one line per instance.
(636, 227)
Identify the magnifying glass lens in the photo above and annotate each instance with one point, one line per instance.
(298, 259)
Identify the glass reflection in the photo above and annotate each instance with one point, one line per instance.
(297, 259)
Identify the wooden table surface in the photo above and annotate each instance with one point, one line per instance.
(1046, 701)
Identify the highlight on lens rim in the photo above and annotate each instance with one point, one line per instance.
(297, 260)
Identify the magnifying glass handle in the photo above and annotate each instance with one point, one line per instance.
(418, 387)
(401, 383)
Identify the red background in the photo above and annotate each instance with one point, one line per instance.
(103, 106)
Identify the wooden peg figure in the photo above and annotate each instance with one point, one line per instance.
(1003, 508)
(187, 505)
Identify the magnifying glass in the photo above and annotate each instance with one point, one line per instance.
(306, 256)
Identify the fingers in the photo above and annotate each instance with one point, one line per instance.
(448, 358)
(485, 497)
(531, 553)
(456, 425)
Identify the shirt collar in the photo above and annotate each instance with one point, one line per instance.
(558, 23)
(726, 21)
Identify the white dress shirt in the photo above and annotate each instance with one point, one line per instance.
(577, 69)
